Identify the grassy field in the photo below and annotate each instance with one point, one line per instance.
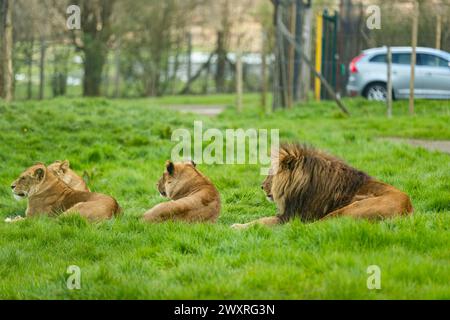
(121, 146)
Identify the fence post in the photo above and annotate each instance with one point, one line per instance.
(291, 57)
(438, 30)
(319, 29)
(413, 56)
(263, 71)
(239, 80)
(389, 82)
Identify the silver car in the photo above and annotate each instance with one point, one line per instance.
(368, 74)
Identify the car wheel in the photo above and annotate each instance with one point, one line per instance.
(376, 92)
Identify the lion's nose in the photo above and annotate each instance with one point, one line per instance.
(13, 186)
(262, 187)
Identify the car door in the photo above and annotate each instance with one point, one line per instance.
(433, 75)
(401, 71)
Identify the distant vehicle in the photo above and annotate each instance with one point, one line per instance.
(368, 74)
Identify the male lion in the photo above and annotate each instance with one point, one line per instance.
(62, 170)
(48, 195)
(312, 185)
(194, 197)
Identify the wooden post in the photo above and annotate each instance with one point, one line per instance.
(7, 51)
(42, 70)
(389, 82)
(438, 30)
(283, 71)
(238, 80)
(2, 64)
(305, 73)
(319, 31)
(291, 58)
(413, 56)
(189, 55)
(263, 72)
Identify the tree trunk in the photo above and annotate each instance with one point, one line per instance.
(96, 31)
(117, 72)
(30, 69)
(189, 56)
(174, 76)
(7, 51)
(206, 79)
(105, 77)
(94, 60)
(42, 70)
(187, 86)
(264, 72)
(221, 62)
(2, 3)
(291, 57)
(59, 78)
(305, 73)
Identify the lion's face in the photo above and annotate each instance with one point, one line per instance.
(175, 176)
(266, 186)
(162, 184)
(28, 181)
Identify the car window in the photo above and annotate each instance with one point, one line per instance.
(430, 60)
(379, 58)
(401, 58)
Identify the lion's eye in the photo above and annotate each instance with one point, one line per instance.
(22, 178)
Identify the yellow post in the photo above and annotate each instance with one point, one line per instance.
(319, 30)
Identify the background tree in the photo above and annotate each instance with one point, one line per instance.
(264, 15)
(92, 40)
(27, 29)
(225, 18)
(1, 45)
(39, 34)
(150, 43)
(7, 49)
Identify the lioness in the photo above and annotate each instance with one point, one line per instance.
(62, 170)
(194, 197)
(48, 195)
(312, 185)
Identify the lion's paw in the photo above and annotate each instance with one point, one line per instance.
(239, 226)
(14, 219)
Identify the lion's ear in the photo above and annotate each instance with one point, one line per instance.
(287, 161)
(39, 173)
(65, 165)
(170, 167)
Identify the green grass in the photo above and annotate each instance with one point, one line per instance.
(122, 145)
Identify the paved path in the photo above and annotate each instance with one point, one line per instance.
(433, 145)
(205, 110)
